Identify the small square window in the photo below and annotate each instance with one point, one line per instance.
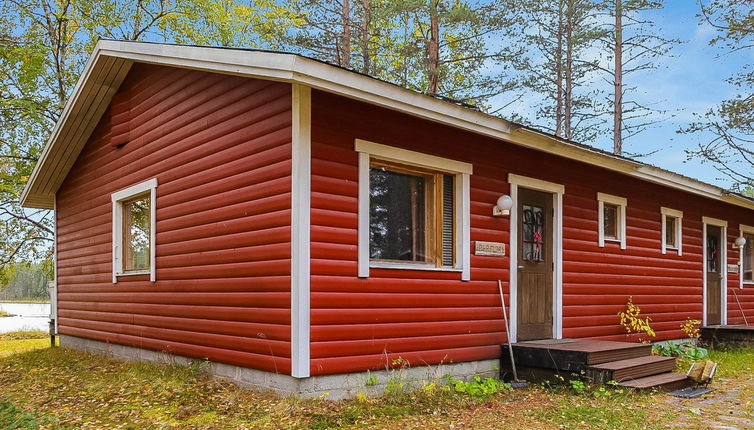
(670, 232)
(671, 236)
(748, 257)
(610, 216)
(611, 219)
(134, 230)
(136, 234)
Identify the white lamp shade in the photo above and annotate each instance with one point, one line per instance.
(505, 202)
(740, 242)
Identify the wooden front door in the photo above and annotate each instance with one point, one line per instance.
(715, 272)
(535, 265)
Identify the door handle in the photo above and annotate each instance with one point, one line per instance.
(520, 267)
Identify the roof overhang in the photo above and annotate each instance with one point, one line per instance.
(111, 61)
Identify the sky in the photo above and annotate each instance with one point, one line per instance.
(690, 81)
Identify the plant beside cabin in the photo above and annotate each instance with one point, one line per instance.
(635, 326)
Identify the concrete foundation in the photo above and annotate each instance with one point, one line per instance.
(333, 387)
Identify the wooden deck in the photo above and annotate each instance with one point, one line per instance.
(630, 364)
(573, 354)
(727, 335)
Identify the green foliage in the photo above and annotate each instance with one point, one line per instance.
(685, 350)
(478, 387)
(371, 380)
(26, 282)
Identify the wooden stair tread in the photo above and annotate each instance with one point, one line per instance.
(633, 362)
(655, 380)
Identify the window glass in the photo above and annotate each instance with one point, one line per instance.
(670, 232)
(398, 215)
(136, 234)
(534, 233)
(411, 215)
(610, 220)
(749, 257)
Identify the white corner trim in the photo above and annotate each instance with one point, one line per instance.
(743, 229)
(117, 227)
(678, 215)
(462, 210)
(557, 191)
(714, 221)
(391, 153)
(363, 215)
(300, 230)
(622, 204)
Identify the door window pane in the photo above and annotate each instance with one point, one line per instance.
(670, 233)
(533, 224)
(713, 252)
(136, 234)
(610, 221)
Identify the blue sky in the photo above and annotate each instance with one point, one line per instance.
(691, 81)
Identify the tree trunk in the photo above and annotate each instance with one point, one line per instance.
(433, 48)
(345, 43)
(568, 72)
(365, 53)
(559, 74)
(618, 101)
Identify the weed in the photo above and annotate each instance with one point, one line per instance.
(478, 387)
(371, 379)
(686, 350)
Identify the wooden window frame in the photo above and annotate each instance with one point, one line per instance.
(622, 204)
(119, 198)
(433, 215)
(412, 161)
(677, 215)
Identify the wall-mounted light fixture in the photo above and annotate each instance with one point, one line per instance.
(740, 242)
(503, 206)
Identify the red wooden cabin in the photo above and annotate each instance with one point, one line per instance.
(268, 211)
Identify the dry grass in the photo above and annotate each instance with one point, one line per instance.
(59, 388)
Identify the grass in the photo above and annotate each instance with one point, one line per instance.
(43, 387)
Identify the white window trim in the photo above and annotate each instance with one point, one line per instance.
(743, 229)
(723, 266)
(678, 215)
(462, 172)
(557, 190)
(118, 197)
(622, 203)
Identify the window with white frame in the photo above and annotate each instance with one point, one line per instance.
(134, 230)
(672, 230)
(611, 220)
(747, 255)
(413, 210)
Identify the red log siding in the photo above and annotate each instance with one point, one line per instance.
(432, 317)
(220, 147)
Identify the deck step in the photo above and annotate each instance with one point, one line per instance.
(631, 368)
(663, 382)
